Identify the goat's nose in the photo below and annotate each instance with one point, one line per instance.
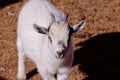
(60, 54)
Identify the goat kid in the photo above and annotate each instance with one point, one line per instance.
(44, 36)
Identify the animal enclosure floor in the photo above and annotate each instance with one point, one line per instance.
(97, 46)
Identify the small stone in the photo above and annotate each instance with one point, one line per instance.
(2, 69)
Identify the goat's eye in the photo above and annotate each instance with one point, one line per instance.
(64, 46)
(50, 39)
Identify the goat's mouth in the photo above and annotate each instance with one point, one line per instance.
(61, 56)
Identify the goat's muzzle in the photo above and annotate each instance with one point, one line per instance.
(60, 54)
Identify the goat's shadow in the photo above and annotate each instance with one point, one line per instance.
(99, 57)
(32, 73)
(4, 3)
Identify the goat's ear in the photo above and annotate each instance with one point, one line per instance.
(40, 29)
(79, 26)
(52, 17)
(66, 18)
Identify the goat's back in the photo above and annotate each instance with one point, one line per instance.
(38, 11)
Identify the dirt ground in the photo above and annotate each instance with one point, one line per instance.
(97, 46)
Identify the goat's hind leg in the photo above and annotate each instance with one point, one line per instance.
(21, 58)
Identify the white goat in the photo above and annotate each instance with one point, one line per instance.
(44, 36)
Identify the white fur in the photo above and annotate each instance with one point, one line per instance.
(35, 46)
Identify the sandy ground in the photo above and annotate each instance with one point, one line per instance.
(97, 47)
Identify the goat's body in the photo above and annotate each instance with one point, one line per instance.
(33, 45)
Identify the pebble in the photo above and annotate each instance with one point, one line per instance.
(2, 69)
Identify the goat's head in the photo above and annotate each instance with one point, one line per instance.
(59, 34)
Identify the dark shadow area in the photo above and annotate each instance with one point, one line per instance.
(32, 73)
(4, 3)
(99, 57)
(1, 78)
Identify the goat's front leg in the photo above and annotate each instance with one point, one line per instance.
(63, 73)
(45, 74)
(21, 58)
(48, 77)
(21, 69)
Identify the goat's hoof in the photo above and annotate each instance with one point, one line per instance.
(21, 77)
